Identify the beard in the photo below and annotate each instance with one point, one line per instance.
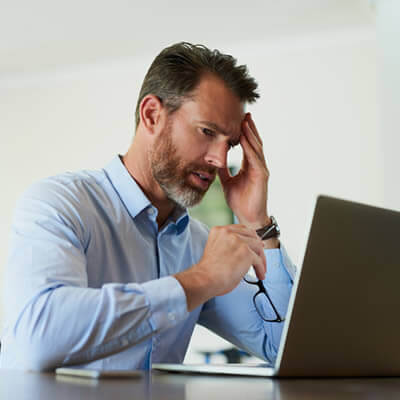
(172, 174)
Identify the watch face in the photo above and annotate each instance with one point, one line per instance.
(269, 231)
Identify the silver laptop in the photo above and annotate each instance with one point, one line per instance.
(344, 313)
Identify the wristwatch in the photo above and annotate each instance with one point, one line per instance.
(269, 231)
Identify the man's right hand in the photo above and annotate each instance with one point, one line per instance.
(229, 253)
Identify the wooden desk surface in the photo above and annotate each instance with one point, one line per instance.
(16, 385)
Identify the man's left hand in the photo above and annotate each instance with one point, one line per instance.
(246, 193)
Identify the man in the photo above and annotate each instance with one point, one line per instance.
(107, 270)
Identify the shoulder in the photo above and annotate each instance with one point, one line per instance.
(65, 190)
(63, 200)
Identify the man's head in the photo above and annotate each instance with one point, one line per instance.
(189, 114)
(177, 70)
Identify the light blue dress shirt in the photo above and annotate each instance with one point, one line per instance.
(88, 280)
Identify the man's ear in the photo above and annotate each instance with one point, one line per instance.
(151, 113)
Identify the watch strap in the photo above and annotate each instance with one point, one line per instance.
(269, 231)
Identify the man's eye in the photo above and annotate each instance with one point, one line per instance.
(207, 132)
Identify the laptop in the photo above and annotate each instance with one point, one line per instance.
(343, 315)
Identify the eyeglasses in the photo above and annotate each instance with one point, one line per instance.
(262, 302)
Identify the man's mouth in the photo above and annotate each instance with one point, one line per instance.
(203, 179)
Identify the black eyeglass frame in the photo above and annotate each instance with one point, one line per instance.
(262, 290)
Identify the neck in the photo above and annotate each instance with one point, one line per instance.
(137, 163)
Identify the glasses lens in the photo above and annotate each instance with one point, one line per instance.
(264, 307)
(251, 277)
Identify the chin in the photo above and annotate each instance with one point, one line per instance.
(188, 198)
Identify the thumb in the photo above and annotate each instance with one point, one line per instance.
(224, 175)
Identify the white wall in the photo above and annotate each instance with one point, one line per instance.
(388, 30)
(317, 116)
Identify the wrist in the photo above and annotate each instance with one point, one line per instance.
(196, 285)
(257, 224)
(269, 232)
(272, 243)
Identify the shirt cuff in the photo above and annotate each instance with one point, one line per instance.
(167, 302)
(279, 265)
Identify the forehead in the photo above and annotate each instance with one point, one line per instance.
(214, 102)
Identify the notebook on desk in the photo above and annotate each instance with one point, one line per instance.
(343, 315)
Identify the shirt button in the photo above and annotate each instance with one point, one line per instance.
(171, 316)
(150, 211)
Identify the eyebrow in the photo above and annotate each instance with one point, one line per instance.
(217, 128)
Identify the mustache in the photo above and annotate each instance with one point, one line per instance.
(204, 168)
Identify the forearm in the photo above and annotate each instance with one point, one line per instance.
(279, 285)
(71, 325)
(272, 243)
(196, 285)
(233, 316)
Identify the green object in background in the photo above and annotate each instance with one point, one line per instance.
(213, 210)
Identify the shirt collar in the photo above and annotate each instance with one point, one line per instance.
(133, 197)
(180, 218)
(126, 187)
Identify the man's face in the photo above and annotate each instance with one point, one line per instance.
(195, 142)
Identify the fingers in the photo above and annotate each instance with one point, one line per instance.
(258, 249)
(224, 175)
(254, 158)
(251, 143)
(254, 245)
(258, 263)
(238, 234)
(243, 230)
(252, 138)
(229, 252)
(253, 128)
(261, 265)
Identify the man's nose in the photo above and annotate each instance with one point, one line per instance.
(217, 154)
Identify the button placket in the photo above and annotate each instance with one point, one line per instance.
(150, 211)
(171, 316)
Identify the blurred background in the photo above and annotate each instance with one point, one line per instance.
(328, 74)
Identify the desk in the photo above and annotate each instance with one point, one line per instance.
(15, 385)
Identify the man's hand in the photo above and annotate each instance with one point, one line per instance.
(246, 192)
(229, 253)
